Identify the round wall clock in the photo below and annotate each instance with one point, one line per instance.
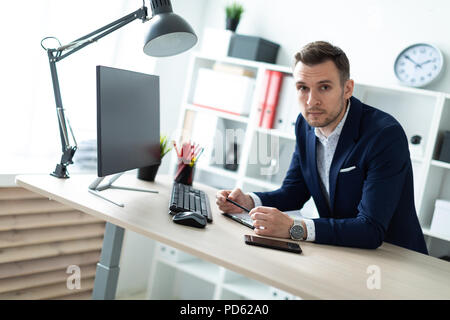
(418, 64)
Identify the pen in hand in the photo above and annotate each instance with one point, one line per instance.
(237, 204)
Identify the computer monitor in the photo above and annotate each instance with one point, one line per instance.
(128, 127)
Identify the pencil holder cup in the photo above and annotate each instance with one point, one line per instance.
(184, 173)
(148, 173)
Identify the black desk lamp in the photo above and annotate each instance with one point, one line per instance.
(169, 35)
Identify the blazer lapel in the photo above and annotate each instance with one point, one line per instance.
(347, 140)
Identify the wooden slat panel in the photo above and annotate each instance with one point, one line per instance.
(15, 269)
(42, 220)
(27, 206)
(43, 279)
(87, 295)
(45, 235)
(18, 193)
(49, 249)
(48, 292)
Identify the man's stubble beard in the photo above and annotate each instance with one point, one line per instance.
(328, 121)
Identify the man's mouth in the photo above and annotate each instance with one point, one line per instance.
(315, 113)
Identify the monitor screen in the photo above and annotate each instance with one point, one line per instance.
(127, 120)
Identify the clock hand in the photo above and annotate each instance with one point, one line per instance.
(428, 61)
(415, 63)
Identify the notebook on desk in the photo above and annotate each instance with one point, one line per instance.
(244, 218)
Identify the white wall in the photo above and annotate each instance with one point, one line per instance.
(371, 32)
(28, 121)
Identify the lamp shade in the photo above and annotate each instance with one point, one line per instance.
(169, 35)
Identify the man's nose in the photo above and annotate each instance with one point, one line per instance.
(313, 100)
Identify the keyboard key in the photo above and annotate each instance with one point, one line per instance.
(191, 202)
(197, 204)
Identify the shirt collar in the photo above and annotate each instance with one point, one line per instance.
(337, 130)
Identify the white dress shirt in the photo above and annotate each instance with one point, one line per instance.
(324, 156)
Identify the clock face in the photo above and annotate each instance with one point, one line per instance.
(418, 65)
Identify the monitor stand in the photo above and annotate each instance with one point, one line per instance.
(95, 188)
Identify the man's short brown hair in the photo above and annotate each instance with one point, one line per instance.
(321, 51)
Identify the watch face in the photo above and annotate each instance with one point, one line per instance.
(297, 232)
(418, 65)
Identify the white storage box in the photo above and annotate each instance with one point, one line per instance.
(216, 42)
(441, 218)
(224, 91)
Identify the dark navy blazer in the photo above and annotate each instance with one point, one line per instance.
(368, 205)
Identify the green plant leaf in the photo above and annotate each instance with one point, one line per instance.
(234, 10)
(164, 145)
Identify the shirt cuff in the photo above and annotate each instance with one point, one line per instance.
(310, 230)
(256, 199)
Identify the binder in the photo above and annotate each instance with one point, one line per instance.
(263, 97)
(272, 99)
(294, 111)
(286, 101)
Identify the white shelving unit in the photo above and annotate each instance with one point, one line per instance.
(420, 112)
(177, 275)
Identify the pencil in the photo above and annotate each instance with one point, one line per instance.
(237, 204)
(176, 149)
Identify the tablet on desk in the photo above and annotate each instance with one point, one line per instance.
(243, 218)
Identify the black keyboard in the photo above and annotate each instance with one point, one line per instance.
(187, 198)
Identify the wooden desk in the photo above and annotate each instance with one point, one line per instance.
(320, 272)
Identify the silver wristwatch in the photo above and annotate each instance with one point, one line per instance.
(297, 232)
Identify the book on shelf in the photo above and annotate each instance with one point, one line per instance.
(287, 110)
(223, 91)
(194, 128)
(231, 69)
(263, 97)
(273, 93)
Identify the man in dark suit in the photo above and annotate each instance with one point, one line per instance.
(351, 158)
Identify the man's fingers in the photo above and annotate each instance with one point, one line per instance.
(222, 195)
(259, 216)
(260, 224)
(235, 194)
(261, 209)
(262, 232)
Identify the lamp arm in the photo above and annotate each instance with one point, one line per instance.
(92, 37)
(55, 55)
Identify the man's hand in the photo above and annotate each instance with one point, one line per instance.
(237, 196)
(275, 223)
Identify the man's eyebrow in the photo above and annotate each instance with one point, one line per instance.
(319, 82)
(325, 81)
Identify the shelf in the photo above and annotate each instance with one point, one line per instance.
(218, 113)
(197, 268)
(397, 88)
(440, 164)
(261, 183)
(417, 159)
(428, 232)
(244, 62)
(278, 133)
(249, 288)
(218, 171)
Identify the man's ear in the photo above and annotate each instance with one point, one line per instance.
(348, 88)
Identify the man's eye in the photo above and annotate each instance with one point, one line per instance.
(302, 88)
(325, 87)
